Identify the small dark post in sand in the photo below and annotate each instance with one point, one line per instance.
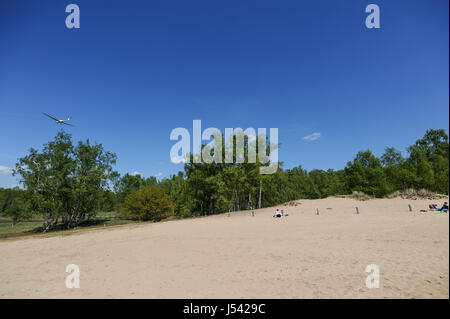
(410, 208)
(229, 212)
(357, 210)
(317, 211)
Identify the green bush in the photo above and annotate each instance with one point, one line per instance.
(148, 203)
(13, 204)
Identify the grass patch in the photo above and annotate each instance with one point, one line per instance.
(356, 195)
(6, 228)
(34, 226)
(417, 194)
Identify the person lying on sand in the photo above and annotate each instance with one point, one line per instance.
(444, 208)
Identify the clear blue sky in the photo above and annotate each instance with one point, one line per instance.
(137, 69)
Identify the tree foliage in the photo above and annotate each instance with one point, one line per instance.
(148, 203)
(66, 182)
(13, 204)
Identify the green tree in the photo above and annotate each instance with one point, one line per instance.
(13, 204)
(366, 174)
(429, 158)
(149, 203)
(175, 187)
(65, 183)
(128, 183)
(392, 157)
(421, 168)
(434, 142)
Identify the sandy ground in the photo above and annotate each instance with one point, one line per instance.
(300, 256)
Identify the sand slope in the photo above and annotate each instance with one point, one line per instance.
(300, 256)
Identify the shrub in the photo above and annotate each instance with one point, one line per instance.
(13, 204)
(359, 196)
(417, 194)
(148, 203)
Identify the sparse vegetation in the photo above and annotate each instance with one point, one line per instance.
(358, 196)
(417, 194)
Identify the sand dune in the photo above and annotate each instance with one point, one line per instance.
(300, 256)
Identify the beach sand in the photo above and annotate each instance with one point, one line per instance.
(303, 255)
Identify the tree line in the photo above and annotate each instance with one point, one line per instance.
(67, 184)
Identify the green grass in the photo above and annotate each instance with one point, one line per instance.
(33, 226)
(7, 229)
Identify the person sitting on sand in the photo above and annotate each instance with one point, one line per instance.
(277, 213)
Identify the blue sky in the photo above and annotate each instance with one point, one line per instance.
(135, 70)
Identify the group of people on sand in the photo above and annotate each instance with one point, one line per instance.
(279, 214)
(443, 209)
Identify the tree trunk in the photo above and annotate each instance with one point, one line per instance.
(259, 199)
(46, 226)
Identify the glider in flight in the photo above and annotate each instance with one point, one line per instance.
(59, 121)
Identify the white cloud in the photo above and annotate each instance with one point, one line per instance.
(5, 170)
(312, 137)
(136, 173)
(159, 174)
